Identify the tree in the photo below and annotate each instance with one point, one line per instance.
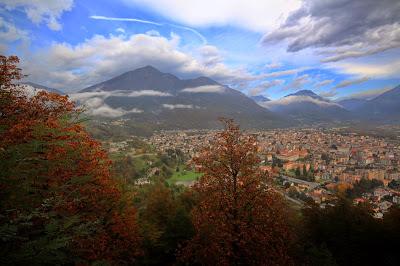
(297, 172)
(59, 204)
(394, 184)
(344, 234)
(164, 218)
(239, 219)
(305, 171)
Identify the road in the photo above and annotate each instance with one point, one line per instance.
(311, 185)
(143, 154)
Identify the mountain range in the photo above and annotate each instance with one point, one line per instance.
(306, 107)
(148, 96)
(383, 108)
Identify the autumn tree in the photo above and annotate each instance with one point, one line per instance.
(59, 204)
(239, 219)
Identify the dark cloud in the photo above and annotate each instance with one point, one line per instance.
(343, 28)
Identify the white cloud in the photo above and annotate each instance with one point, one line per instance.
(120, 30)
(73, 67)
(29, 90)
(254, 15)
(178, 106)
(153, 33)
(125, 19)
(9, 32)
(283, 73)
(384, 69)
(38, 11)
(84, 96)
(146, 93)
(210, 55)
(272, 105)
(273, 65)
(99, 108)
(205, 89)
(93, 103)
(195, 32)
(298, 82)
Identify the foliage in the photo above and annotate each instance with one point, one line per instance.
(238, 219)
(59, 204)
(344, 234)
(164, 218)
(394, 184)
(363, 186)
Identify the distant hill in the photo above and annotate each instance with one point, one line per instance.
(41, 87)
(307, 108)
(147, 95)
(384, 108)
(352, 104)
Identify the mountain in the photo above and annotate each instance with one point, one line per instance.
(308, 108)
(352, 104)
(383, 108)
(163, 100)
(259, 98)
(41, 87)
(307, 93)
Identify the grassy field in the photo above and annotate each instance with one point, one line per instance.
(183, 175)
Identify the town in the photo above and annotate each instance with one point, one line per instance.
(314, 164)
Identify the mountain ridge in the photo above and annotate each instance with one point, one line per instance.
(169, 101)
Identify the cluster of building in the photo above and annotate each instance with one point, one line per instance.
(188, 141)
(333, 155)
(336, 160)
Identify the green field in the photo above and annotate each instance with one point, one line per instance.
(183, 175)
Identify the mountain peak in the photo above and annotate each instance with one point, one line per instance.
(202, 81)
(308, 93)
(148, 69)
(304, 93)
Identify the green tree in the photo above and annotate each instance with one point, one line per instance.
(164, 218)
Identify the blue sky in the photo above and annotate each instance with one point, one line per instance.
(266, 47)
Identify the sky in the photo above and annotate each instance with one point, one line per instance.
(337, 48)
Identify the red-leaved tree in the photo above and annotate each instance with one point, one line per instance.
(59, 203)
(239, 219)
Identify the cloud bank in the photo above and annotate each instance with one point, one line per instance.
(73, 67)
(342, 28)
(178, 106)
(273, 105)
(205, 89)
(254, 15)
(94, 102)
